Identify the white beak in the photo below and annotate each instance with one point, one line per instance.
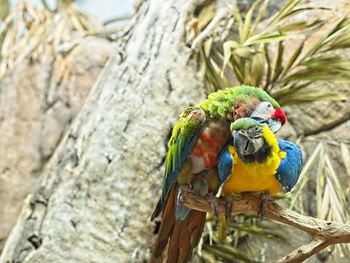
(274, 125)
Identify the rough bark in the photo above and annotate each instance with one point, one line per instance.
(38, 101)
(88, 207)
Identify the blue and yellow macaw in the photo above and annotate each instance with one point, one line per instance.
(256, 161)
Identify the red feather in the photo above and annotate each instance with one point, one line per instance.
(279, 114)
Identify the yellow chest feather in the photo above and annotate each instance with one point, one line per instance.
(255, 177)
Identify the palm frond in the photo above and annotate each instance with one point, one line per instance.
(4, 9)
(303, 179)
(257, 56)
(229, 253)
(32, 29)
(331, 197)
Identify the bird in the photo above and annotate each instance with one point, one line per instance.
(256, 161)
(199, 135)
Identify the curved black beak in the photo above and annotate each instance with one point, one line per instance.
(245, 145)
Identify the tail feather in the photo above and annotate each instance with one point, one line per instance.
(177, 238)
(167, 224)
(157, 210)
(195, 226)
(173, 251)
(185, 237)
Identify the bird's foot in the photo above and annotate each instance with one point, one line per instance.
(265, 200)
(181, 191)
(214, 204)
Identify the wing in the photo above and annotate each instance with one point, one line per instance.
(183, 137)
(289, 169)
(225, 164)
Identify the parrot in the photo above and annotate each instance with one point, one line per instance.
(199, 135)
(256, 161)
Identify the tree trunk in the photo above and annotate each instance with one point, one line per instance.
(100, 187)
(39, 99)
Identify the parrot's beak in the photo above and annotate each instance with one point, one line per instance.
(274, 125)
(277, 120)
(265, 113)
(245, 145)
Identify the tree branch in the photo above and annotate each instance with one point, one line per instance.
(324, 232)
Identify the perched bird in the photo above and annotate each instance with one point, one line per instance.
(198, 137)
(255, 161)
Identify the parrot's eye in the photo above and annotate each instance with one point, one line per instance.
(269, 105)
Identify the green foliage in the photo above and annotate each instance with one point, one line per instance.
(261, 54)
(4, 9)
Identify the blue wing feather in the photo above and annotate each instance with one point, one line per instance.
(183, 138)
(225, 164)
(289, 169)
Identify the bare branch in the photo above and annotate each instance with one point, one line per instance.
(325, 233)
(305, 251)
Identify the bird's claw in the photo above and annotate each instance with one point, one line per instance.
(180, 193)
(265, 200)
(214, 204)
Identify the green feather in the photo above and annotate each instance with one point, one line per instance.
(188, 125)
(244, 124)
(219, 103)
(192, 119)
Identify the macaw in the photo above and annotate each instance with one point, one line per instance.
(255, 161)
(197, 138)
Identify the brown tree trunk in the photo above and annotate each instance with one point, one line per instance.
(38, 101)
(100, 187)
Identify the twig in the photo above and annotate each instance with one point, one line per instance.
(305, 251)
(45, 5)
(324, 232)
(118, 19)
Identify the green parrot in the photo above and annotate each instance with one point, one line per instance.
(198, 137)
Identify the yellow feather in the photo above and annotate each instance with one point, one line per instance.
(255, 177)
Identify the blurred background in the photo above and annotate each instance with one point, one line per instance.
(105, 9)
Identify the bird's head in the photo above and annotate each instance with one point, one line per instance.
(266, 112)
(247, 136)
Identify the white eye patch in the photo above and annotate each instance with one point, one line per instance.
(263, 110)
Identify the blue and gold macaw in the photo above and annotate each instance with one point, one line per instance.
(255, 161)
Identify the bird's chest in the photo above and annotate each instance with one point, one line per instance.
(212, 138)
(254, 177)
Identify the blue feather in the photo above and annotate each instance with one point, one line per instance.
(175, 169)
(289, 169)
(224, 164)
